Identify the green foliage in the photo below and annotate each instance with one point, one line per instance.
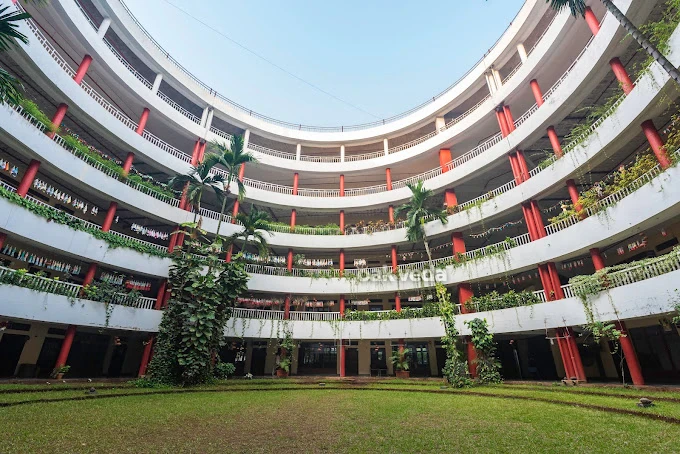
(224, 370)
(285, 364)
(192, 329)
(33, 109)
(583, 130)
(494, 301)
(659, 32)
(401, 358)
(455, 369)
(428, 310)
(488, 368)
(59, 217)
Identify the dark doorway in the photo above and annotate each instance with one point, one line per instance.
(11, 347)
(528, 358)
(48, 356)
(235, 354)
(441, 360)
(351, 361)
(117, 360)
(258, 360)
(87, 354)
(658, 351)
(378, 361)
(420, 360)
(317, 359)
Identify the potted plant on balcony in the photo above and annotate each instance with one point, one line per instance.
(400, 361)
(60, 371)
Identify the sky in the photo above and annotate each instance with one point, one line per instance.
(378, 57)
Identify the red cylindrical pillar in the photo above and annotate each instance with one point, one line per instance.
(3, 238)
(592, 21)
(555, 280)
(28, 178)
(536, 90)
(286, 308)
(142, 121)
(394, 259)
(201, 151)
(342, 221)
(161, 294)
(127, 165)
(230, 253)
(538, 219)
(146, 356)
(65, 346)
(458, 243)
(293, 218)
(89, 275)
(622, 75)
(630, 355)
(450, 198)
(508, 117)
(390, 213)
(388, 178)
(555, 142)
(82, 69)
(516, 171)
(575, 355)
(194, 152)
(397, 302)
(573, 194)
(289, 260)
(546, 282)
(58, 118)
(342, 262)
(342, 304)
(502, 121)
(296, 181)
(529, 220)
(464, 294)
(173, 240)
(564, 353)
(522, 163)
(656, 143)
(342, 186)
(472, 356)
(444, 158)
(598, 261)
(234, 213)
(110, 214)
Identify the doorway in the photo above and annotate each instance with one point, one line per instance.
(351, 362)
(11, 347)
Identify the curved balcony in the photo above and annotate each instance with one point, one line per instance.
(461, 166)
(144, 45)
(631, 296)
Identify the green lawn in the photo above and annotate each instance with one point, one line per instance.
(338, 419)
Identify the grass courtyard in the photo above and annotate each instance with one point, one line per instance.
(381, 416)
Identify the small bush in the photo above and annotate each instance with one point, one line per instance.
(224, 370)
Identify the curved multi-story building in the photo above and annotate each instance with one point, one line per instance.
(553, 156)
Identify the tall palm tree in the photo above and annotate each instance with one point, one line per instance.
(419, 210)
(578, 8)
(255, 225)
(9, 37)
(232, 156)
(197, 180)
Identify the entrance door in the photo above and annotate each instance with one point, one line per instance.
(441, 360)
(48, 356)
(117, 360)
(378, 361)
(420, 361)
(258, 360)
(11, 347)
(351, 361)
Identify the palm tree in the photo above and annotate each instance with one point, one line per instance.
(9, 36)
(419, 210)
(197, 180)
(255, 225)
(578, 8)
(232, 157)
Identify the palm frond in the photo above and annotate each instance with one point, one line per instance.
(577, 7)
(9, 30)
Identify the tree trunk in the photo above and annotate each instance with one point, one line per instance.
(429, 257)
(642, 41)
(224, 205)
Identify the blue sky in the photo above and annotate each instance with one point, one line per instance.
(383, 57)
